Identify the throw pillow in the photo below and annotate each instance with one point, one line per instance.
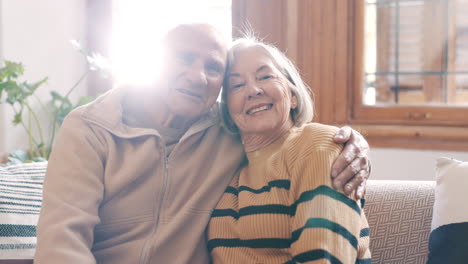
(20, 203)
(448, 241)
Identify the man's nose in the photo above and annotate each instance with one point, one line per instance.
(196, 74)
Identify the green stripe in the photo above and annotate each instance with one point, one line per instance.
(17, 246)
(7, 230)
(327, 224)
(363, 202)
(265, 209)
(327, 191)
(10, 191)
(232, 190)
(19, 209)
(249, 243)
(225, 212)
(281, 184)
(253, 210)
(20, 212)
(16, 181)
(20, 199)
(20, 204)
(364, 232)
(364, 261)
(21, 186)
(313, 255)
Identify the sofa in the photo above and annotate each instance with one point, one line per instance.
(399, 215)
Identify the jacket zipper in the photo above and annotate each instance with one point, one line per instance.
(147, 247)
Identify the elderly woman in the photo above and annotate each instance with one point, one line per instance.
(282, 208)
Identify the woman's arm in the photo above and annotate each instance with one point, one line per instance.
(73, 191)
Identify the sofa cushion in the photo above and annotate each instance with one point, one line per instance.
(448, 241)
(20, 203)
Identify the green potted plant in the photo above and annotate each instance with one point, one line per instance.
(20, 95)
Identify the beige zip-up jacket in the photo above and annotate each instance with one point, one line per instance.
(111, 196)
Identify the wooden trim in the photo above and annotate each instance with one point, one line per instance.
(415, 137)
(343, 61)
(416, 115)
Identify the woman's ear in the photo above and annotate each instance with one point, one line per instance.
(293, 101)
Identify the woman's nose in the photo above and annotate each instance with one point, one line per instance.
(254, 90)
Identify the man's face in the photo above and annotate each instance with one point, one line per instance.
(193, 70)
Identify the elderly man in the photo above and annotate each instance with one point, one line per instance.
(134, 176)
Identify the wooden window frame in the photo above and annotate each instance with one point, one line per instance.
(421, 127)
(325, 40)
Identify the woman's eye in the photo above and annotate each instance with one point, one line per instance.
(266, 77)
(237, 86)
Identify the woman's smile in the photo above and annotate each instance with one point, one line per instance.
(259, 108)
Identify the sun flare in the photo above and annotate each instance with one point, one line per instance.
(139, 25)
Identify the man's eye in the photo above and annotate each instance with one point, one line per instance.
(214, 67)
(185, 58)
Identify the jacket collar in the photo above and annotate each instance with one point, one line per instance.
(106, 111)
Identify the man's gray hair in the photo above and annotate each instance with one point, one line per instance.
(304, 111)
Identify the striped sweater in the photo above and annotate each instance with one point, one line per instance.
(282, 208)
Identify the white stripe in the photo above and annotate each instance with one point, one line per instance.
(18, 220)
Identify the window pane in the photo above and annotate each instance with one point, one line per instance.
(461, 35)
(409, 23)
(416, 52)
(461, 96)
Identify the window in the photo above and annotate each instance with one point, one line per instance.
(395, 69)
(410, 87)
(416, 52)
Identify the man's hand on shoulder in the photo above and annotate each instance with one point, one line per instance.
(351, 169)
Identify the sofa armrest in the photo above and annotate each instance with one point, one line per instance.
(399, 215)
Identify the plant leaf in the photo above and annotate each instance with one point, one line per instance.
(11, 70)
(18, 118)
(32, 87)
(19, 155)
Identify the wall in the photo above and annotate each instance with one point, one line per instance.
(404, 164)
(37, 33)
(2, 111)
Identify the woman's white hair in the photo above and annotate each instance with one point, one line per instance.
(304, 111)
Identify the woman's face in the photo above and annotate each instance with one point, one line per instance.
(259, 98)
